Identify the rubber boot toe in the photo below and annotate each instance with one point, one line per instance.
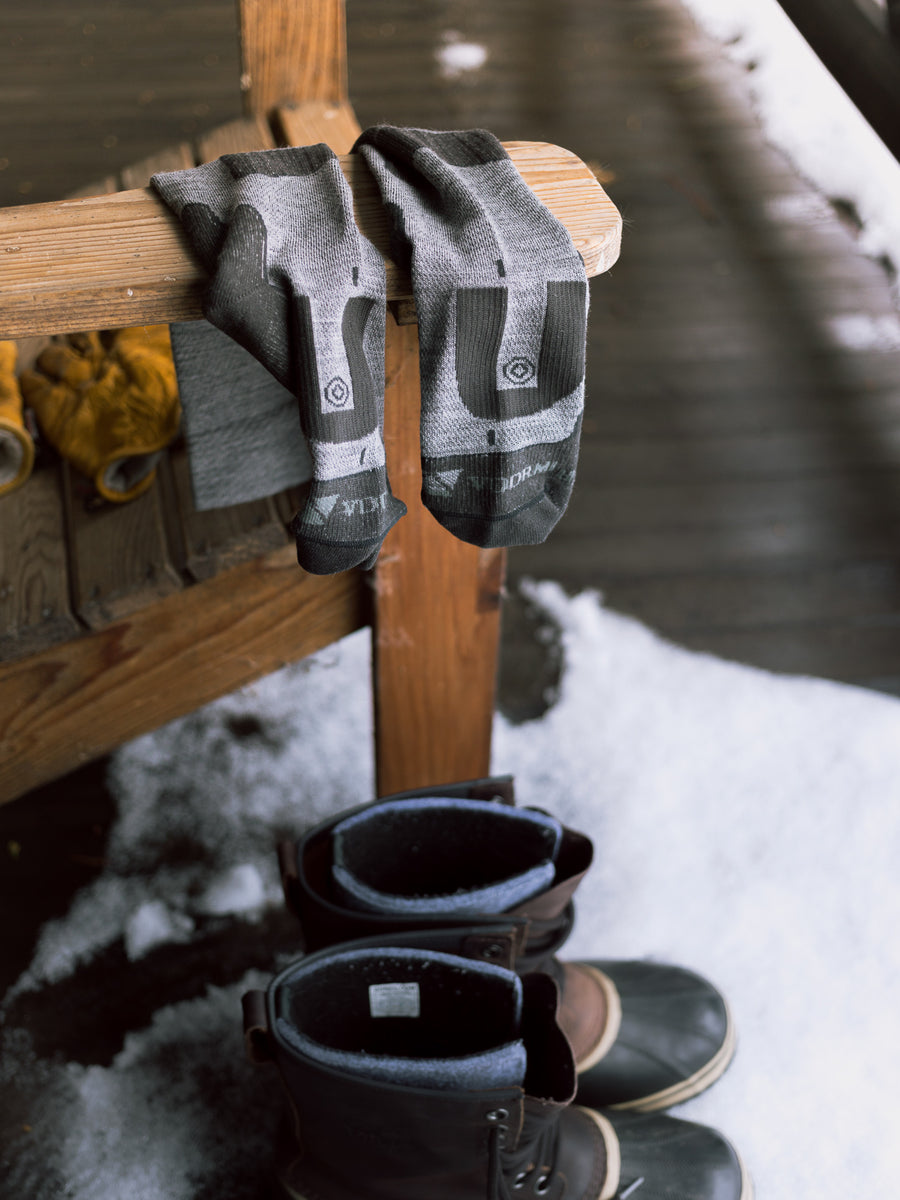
(675, 1037)
(665, 1158)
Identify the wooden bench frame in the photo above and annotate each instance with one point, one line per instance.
(81, 679)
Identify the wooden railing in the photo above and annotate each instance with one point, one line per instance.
(861, 49)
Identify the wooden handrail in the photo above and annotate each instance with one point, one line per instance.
(118, 260)
(863, 58)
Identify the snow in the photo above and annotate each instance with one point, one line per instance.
(239, 889)
(457, 57)
(809, 116)
(153, 924)
(744, 823)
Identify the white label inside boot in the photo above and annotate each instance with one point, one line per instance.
(393, 999)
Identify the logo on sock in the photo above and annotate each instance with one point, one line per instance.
(337, 393)
(320, 510)
(440, 482)
(518, 370)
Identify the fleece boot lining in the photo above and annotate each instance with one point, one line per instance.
(441, 855)
(424, 1019)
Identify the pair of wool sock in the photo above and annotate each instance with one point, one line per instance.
(501, 296)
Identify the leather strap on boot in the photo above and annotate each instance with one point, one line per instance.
(257, 1039)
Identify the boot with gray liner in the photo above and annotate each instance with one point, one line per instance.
(417, 1072)
(645, 1035)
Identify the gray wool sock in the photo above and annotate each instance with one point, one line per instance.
(243, 437)
(294, 282)
(501, 295)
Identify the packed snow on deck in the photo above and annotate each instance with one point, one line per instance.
(745, 825)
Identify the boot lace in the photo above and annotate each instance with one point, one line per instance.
(529, 1170)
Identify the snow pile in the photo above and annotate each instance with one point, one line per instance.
(180, 1113)
(201, 800)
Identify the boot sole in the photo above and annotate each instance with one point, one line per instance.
(611, 1142)
(613, 1161)
(678, 1093)
(611, 1146)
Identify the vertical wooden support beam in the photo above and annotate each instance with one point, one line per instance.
(437, 600)
(437, 616)
(292, 51)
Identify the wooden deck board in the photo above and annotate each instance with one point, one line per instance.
(119, 558)
(188, 646)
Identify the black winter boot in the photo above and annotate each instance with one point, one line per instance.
(414, 1072)
(645, 1036)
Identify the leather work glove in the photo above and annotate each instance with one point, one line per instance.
(16, 446)
(108, 404)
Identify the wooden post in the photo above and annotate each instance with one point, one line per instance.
(292, 52)
(863, 59)
(437, 600)
(436, 619)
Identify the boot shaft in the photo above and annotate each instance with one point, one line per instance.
(359, 1136)
(380, 847)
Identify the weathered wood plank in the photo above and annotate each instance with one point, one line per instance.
(436, 618)
(113, 83)
(77, 701)
(246, 133)
(846, 652)
(760, 455)
(221, 538)
(319, 121)
(757, 596)
(835, 508)
(118, 554)
(764, 545)
(34, 578)
(173, 158)
(119, 557)
(121, 260)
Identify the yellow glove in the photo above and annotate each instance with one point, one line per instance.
(16, 446)
(108, 405)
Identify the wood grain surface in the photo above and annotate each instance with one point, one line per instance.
(121, 260)
(71, 703)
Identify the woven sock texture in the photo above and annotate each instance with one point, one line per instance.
(241, 427)
(501, 296)
(294, 282)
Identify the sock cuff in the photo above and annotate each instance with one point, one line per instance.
(458, 148)
(285, 161)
